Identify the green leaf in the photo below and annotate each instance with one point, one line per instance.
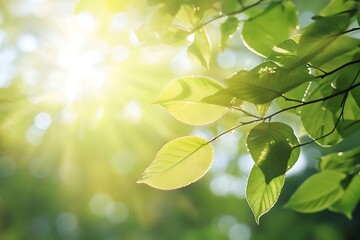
(262, 108)
(222, 98)
(272, 26)
(271, 147)
(318, 192)
(350, 199)
(324, 122)
(262, 196)
(338, 47)
(319, 35)
(284, 53)
(179, 163)
(182, 97)
(339, 6)
(200, 49)
(266, 82)
(347, 162)
(228, 28)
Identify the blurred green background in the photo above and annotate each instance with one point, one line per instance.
(77, 129)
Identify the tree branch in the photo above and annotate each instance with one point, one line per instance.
(338, 68)
(345, 91)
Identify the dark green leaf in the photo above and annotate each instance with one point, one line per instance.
(271, 147)
(266, 82)
(318, 192)
(350, 199)
(319, 35)
(347, 162)
(319, 119)
(284, 53)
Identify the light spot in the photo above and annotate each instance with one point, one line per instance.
(27, 43)
(86, 22)
(119, 22)
(238, 230)
(226, 59)
(99, 203)
(43, 121)
(120, 53)
(181, 62)
(226, 222)
(116, 212)
(66, 223)
(34, 135)
(132, 112)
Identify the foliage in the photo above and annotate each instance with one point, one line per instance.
(313, 70)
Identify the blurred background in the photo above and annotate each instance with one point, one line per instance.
(77, 129)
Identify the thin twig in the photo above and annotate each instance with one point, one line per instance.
(351, 30)
(244, 111)
(286, 109)
(337, 69)
(224, 15)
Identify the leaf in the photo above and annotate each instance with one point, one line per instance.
(347, 162)
(338, 47)
(200, 49)
(262, 108)
(262, 196)
(319, 35)
(318, 118)
(222, 98)
(272, 26)
(318, 192)
(271, 147)
(349, 200)
(284, 53)
(228, 28)
(182, 97)
(179, 163)
(339, 6)
(266, 82)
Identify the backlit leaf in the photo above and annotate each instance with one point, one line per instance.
(318, 192)
(266, 82)
(200, 49)
(179, 163)
(272, 26)
(262, 196)
(271, 147)
(228, 28)
(319, 35)
(183, 98)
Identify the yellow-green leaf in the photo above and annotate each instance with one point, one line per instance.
(262, 196)
(179, 163)
(183, 98)
(272, 26)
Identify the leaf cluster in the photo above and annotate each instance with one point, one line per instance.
(312, 72)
